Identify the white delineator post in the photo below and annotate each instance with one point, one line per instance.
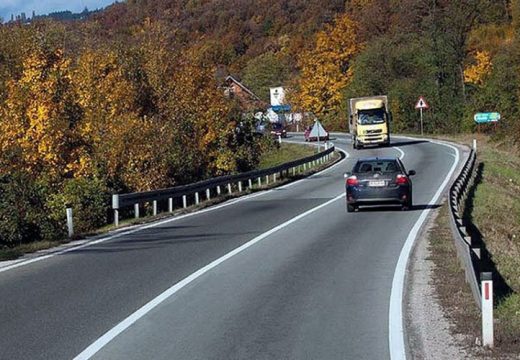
(115, 206)
(486, 280)
(475, 145)
(136, 210)
(70, 223)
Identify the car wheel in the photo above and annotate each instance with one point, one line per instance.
(407, 205)
(351, 207)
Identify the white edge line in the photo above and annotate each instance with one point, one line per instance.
(161, 222)
(92, 349)
(395, 317)
(400, 151)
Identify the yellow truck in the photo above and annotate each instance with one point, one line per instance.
(369, 121)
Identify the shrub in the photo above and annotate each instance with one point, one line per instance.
(88, 198)
(22, 209)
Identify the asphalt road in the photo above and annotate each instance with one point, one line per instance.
(316, 288)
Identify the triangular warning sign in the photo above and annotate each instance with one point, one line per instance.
(421, 103)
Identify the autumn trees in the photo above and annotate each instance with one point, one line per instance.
(77, 125)
(325, 71)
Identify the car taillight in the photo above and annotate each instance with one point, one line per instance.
(401, 180)
(352, 181)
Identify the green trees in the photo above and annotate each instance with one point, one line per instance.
(265, 71)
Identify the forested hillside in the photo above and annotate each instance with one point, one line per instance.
(129, 99)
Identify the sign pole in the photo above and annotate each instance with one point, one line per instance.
(421, 122)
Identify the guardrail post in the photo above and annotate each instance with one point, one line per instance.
(267, 179)
(70, 223)
(304, 166)
(115, 206)
(154, 204)
(136, 210)
(229, 188)
(250, 183)
(274, 177)
(240, 186)
(487, 308)
(197, 198)
(259, 181)
(184, 202)
(208, 194)
(293, 171)
(170, 205)
(218, 190)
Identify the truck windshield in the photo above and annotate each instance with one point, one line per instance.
(369, 117)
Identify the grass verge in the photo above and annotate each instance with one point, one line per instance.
(285, 153)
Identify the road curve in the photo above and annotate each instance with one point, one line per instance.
(310, 280)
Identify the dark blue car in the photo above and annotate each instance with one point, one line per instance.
(378, 181)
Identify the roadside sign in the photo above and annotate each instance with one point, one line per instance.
(421, 103)
(490, 117)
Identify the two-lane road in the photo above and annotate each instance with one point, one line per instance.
(308, 280)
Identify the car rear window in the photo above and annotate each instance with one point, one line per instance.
(373, 166)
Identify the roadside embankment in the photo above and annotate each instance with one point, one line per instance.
(276, 156)
(493, 209)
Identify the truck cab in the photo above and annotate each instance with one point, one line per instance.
(369, 121)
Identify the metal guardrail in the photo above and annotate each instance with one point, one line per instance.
(468, 253)
(120, 201)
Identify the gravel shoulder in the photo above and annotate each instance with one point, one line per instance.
(429, 329)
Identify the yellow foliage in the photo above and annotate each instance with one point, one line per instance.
(475, 74)
(40, 116)
(325, 69)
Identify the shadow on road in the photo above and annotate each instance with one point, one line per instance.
(378, 208)
(409, 142)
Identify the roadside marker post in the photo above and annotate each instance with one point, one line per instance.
(208, 194)
(136, 210)
(197, 198)
(70, 223)
(170, 205)
(184, 202)
(486, 280)
(154, 207)
(475, 145)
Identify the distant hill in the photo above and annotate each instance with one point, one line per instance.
(57, 15)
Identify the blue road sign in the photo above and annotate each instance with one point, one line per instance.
(482, 118)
